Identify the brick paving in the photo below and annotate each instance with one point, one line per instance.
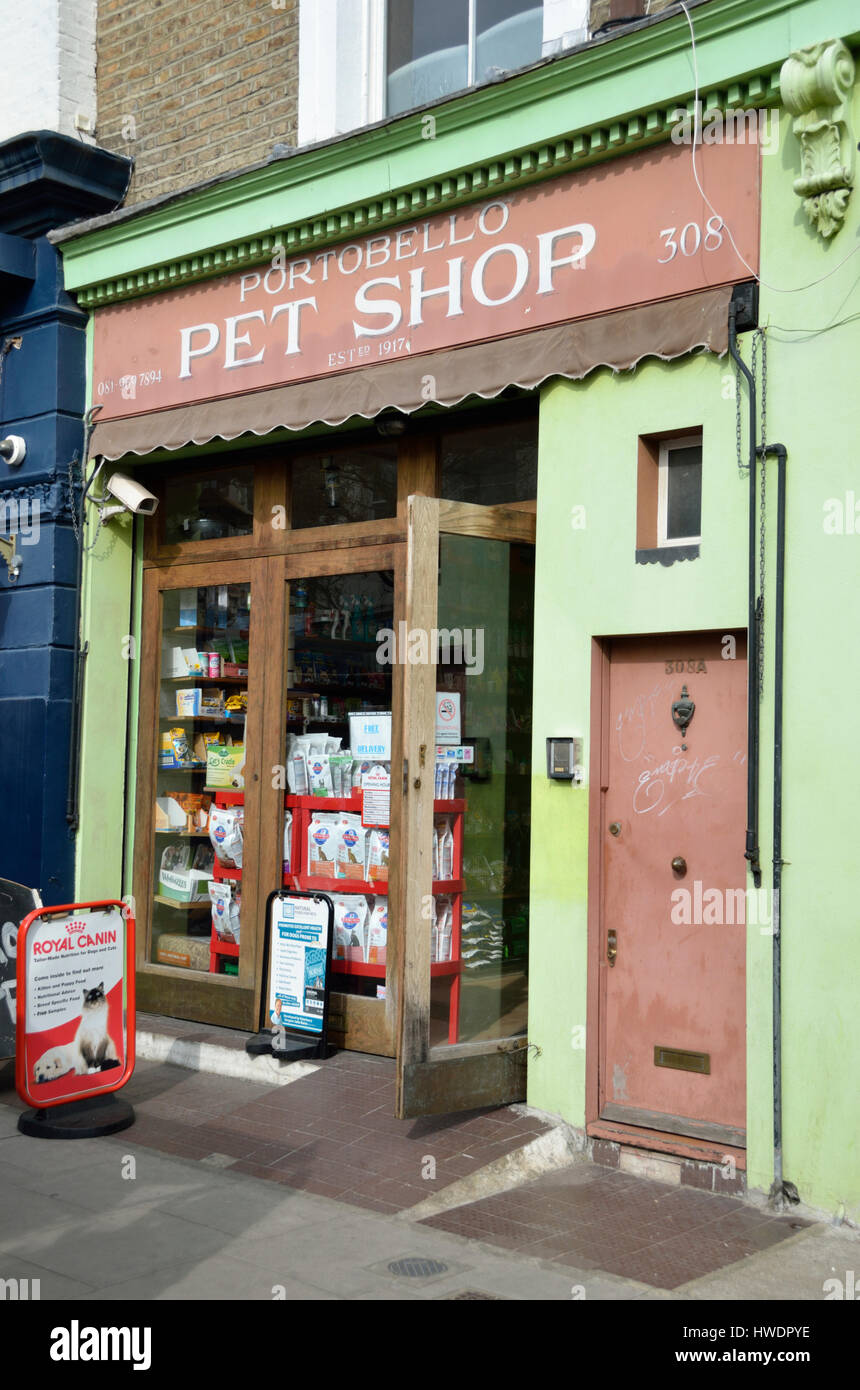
(332, 1133)
(596, 1218)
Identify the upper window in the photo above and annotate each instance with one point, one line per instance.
(363, 60)
(679, 492)
(434, 49)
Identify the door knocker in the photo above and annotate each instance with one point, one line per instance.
(682, 714)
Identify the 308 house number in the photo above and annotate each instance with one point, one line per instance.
(691, 238)
(694, 667)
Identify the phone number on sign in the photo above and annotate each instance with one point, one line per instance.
(127, 385)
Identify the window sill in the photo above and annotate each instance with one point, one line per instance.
(667, 554)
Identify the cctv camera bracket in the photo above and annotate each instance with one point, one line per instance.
(12, 558)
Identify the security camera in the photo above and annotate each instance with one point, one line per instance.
(13, 450)
(132, 494)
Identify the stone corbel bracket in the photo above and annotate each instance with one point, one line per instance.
(816, 85)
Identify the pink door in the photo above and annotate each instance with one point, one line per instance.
(673, 934)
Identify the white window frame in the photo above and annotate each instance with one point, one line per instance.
(687, 441)
(342, 59)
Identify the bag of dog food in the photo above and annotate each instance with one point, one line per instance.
(225, 833)
(288, 839)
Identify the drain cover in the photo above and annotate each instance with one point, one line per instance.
(414, 1268)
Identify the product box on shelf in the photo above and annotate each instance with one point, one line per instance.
(186, 952)
(224, 764)
(177, 878)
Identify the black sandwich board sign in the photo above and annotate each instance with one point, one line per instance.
(296, 975)
(16, 903)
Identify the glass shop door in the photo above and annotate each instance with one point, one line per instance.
(462, 893)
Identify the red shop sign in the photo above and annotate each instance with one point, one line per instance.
(75, 993)
(622, 233)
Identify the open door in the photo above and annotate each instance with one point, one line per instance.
(461, 835)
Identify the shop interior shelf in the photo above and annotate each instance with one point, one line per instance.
(377, 972)
(182, 907)
(201, 718)
(311, 883)
(208, 631)
(225, 797)
(184, 834)
(222, 948)
(336, 644)
(221, 872)
(195, 677)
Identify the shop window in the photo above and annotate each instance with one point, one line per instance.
(490, 466)
(452, 44)
(669, 498)
(209, 505)
(333, 489)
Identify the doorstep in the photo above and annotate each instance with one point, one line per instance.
(209, 1048)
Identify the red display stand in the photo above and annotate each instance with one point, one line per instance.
(219, 950)
(302, 808)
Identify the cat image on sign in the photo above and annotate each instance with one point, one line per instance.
(92, 1049)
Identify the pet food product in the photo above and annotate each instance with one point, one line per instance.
(186, 952)
(297, 774)
(225, 833)
(439, 781)
(288, 839)
(444, 928)
(377, 856)
(322, 844)
(351, 838)
(175, 750)
(341, 773)
(319, 774)
(188, 701)
(350, 926)
(377, 933)
(445, 851)
(225, 912)
(224, 765)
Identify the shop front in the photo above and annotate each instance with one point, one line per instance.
(333, 607)
(336, 695)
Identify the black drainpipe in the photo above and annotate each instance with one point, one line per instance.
(781, 1191)
(751, 852)
(73, 785)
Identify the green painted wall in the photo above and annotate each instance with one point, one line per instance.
(587, 584)
(812, 409)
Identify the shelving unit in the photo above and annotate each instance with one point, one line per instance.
(302, 808)
(191, 777)
(220, 951)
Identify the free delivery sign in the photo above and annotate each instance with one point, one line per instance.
(75, 992)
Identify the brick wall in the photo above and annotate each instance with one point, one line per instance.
(604, 10)
(195, 88)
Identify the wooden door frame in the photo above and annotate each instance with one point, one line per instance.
(366, 1024)
(441, 1079)
(163, 988)
(597, 970)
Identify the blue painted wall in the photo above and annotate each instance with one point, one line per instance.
(45, 180)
